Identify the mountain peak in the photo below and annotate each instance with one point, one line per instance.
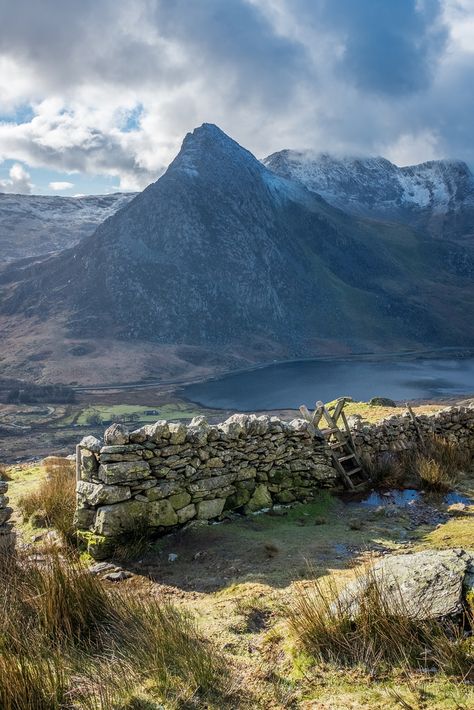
(208, 149)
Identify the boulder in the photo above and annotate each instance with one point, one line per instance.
(427, 584)
(382, 402)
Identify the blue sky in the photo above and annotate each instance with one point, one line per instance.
(97, 95)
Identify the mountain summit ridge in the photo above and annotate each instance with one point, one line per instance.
(426, 196)
(222, 255)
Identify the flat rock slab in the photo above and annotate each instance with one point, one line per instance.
(427, 584)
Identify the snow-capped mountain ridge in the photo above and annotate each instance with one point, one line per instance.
(375, 187)
(33, 225)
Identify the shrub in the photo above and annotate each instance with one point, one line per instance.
(378, 634)
(55, 497)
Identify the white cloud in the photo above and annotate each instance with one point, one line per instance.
(271, 73)
(19, 181)
(58, 186)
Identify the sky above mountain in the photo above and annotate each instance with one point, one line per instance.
(95, 96)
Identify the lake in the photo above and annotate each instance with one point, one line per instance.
(290, 384)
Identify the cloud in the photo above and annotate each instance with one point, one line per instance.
(58, 186)
(113, 87)
(19, 181)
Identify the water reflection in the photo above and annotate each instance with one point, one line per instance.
(290, 384)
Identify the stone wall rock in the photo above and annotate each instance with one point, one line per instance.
(7, 538)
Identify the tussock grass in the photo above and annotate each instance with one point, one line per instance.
(378, 634)
(4, 472)
(434, 465)
(55, 497)
(67, 641)
(439, 463)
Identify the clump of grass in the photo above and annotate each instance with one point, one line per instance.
(378, 633)
(433, 476)
(434, 464)
(55, 497)
(387, 468)
(68, 641)
(4, 473)
(439, 463)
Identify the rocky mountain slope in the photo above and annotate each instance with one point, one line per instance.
(225, 257)
(437, 196)
(32, 225)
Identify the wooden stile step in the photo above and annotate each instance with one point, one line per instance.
(339, 441)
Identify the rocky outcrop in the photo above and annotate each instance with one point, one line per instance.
(6, 533)
(424, 585)
(164, 475)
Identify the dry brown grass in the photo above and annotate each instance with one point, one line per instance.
(67, 641)
(434, 464)
(55, 497)
(4, 472)
(439, 463)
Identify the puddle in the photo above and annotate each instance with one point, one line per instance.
(455, 497)
(404, 497)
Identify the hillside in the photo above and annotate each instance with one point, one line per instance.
(32, 225)
(436, 196)
(222, 263)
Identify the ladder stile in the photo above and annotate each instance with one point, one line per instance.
(341, 443)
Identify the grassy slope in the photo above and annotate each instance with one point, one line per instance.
(238, 579)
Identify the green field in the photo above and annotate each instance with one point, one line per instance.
(130, 413)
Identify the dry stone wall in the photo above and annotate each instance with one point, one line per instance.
(401, 432)
(6, 534)
(164, 475)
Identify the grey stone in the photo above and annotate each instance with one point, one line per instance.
(162, 513)
(84, 518)
(177, 433)
(180, 500)
(112, 520)
(208, 509)
(158, 431)
(138, 436)
(124, 472)
(427, 584)
(117, 576)
(100, 494)
(116, 434)
(5, 514)
(261, 498)
(3, 486)
(91, 443)
(100, 567)
(186, 513)
(89, 463)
